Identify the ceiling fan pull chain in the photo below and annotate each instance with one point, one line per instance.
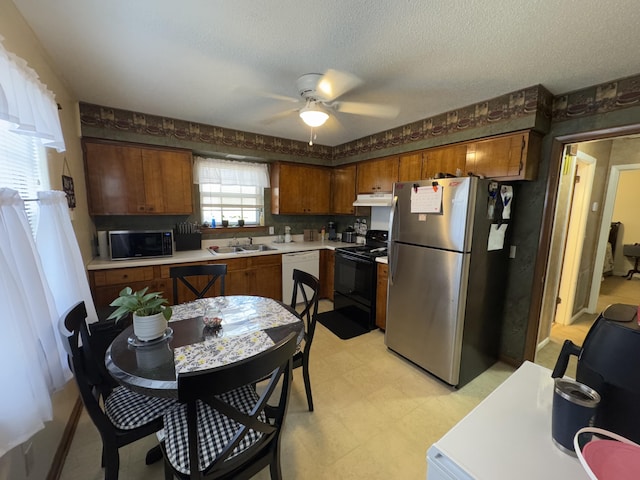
(311, 137)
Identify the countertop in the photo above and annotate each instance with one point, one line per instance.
(508, 435)
(297, 245)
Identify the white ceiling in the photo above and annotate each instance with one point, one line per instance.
(204, 60)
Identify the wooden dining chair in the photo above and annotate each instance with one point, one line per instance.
(181, 273)
(120, 415)
(309, 315)
(224, 427)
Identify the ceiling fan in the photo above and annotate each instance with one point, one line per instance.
(320, 93)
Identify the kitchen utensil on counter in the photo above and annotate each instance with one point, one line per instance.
(349, 235)
(287, 234)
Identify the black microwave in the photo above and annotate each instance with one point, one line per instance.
(127, 244)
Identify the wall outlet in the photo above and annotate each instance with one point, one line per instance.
(271, 231)
(512, 251)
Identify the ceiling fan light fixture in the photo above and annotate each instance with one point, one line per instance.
(313, 116)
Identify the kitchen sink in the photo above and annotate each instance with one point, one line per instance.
(221, 250)
(256, 248)
(242, 249)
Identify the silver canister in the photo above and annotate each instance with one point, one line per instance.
(574, 407)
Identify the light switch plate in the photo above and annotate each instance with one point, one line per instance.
(271, 231)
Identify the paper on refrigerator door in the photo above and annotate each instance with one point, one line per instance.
(426, 199)
(496, 237)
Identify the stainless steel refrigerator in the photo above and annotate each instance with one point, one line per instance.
(446, 288)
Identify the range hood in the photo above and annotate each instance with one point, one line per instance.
(373, 200)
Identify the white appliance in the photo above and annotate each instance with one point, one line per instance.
(507, 436)
(307, 262)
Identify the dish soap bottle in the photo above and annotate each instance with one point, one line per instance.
(287, 234)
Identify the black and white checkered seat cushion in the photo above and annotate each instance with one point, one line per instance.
(215, 430)
(128, 410)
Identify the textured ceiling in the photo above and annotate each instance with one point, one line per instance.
(205, 61)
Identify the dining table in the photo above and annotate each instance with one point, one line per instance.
(250, 325)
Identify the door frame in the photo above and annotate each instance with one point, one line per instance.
(558, 144)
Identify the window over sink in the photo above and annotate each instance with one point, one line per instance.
(231, 190)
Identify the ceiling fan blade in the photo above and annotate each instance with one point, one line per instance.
(335, 83)
(369, 109)
(279, 116)
(265, 94)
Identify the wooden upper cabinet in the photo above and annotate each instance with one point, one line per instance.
(410, 167)
(444, 160)
(376, 176)
(343, 189)
(129, 180)
(510, 157)
(300, 189)
(168, 181)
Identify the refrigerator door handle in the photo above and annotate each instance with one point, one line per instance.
(392, 231)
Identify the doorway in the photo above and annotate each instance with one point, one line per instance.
(568, 242)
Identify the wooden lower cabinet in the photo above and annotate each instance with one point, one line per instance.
(259, 275)
(381, 296)
(106, 284)
(327, 267)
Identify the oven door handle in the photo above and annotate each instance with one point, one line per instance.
(353, 259)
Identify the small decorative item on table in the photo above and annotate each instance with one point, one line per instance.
(212, 317)
(150, 314)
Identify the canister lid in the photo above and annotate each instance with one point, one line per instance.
(576, 392)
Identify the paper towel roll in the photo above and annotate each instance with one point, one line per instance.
(103, 246)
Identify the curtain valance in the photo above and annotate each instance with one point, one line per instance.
(26, 103)
(229, 172)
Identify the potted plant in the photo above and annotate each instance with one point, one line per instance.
(150, 312)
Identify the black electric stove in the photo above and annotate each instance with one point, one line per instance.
(376, 242)
(355, 278)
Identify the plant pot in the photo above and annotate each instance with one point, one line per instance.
(149, 327)
(241, 223)
(225, 223)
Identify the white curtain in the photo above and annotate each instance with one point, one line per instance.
(29, 348)
(26, 103)
(229, 172)
(61, 258)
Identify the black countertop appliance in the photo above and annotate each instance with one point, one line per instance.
(332, 231)
(608, 362)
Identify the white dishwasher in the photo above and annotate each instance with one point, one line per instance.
(307, 262)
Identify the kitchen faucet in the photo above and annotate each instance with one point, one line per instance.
(250, 240)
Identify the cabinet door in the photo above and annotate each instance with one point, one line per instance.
(327, 270)
(375, 176)
(444, 160)
(300, 189)
(410, 167)
(509, 157)
(114, 179)
(343, 189)
(266, 276)
(381, 296)
(167, 181)
(316, 190)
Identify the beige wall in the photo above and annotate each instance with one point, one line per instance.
(625, 210)
(19, 39)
